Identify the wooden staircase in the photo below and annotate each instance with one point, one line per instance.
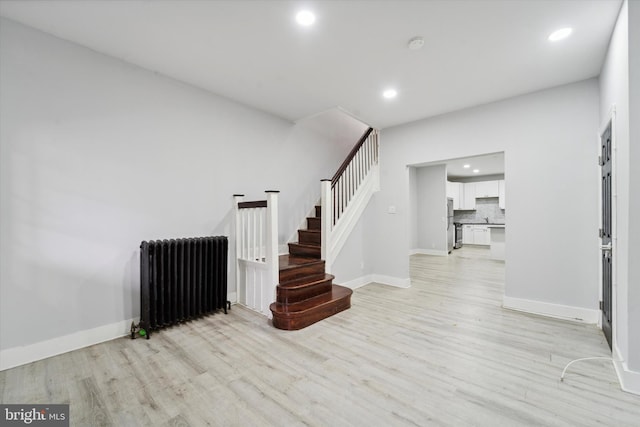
(306, 294)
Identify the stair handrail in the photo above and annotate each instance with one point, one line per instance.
(338, 192)
(353, 170)
(350, 156)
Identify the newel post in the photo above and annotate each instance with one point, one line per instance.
(326, 223)
(271, 253)
(238, 198)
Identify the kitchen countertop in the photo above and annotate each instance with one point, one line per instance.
(480, 223)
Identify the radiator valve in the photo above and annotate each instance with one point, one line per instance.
(138, 330)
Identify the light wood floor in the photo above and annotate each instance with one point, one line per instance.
(441, 353)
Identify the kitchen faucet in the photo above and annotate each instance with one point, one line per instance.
(486, 218)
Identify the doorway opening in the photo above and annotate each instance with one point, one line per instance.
(459, 203)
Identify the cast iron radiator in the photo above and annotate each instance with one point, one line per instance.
(181, 279)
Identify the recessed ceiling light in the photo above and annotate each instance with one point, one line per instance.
(390, 93)
(560, 34)
(305, 18)
(476, 170)
(466, 166)
(415, 43)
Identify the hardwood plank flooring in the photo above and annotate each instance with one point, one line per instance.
(441, 353)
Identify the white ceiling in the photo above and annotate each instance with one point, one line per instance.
(476, 51)
(486, 164)
(489, 164)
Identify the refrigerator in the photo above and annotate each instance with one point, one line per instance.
(450, 227)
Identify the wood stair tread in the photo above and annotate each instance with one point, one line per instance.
(290, 261)
(312, 280)
(305, 250)
(310, 237)
(306, 293)
(313, 223)
(337, 292)
(306, 245)
(302, 314)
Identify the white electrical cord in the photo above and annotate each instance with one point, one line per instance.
(584, 358)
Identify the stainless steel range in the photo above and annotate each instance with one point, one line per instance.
(458, 239)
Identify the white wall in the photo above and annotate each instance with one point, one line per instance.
(351, 267)
(552, 255)
(634, 189)
(619, 87)
(431, 210)
(98, 155)
(614, 90)
(413, 207)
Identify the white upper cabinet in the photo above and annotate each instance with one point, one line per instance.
(454, 190)
(449, 189)
(487, 189)
(464, 194)
(469, 202)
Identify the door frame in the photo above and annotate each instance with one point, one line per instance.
(610, 119)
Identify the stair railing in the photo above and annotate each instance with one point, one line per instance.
(256, 226)
(345, 196)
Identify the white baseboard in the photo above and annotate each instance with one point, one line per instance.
(391, 281)
(435, 252)
(232, 297)
(17, 356)
(357, 282)
(629, 380)
(284, 249)
(565, 312)
(376, 278)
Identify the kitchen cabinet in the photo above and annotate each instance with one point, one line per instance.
(496, 242)
(467, 235)
(501, 203)
(481, 235)
(455, 191)
(464, 194)
(474, 234)
(487, 189)
(469, 201)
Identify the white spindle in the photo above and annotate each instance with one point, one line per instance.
(271, 251)
(243, 237)
(254, 235)
(337, 197)
(237, 198)
(260, 236)
(247, 227)
(247, 230)
(257, 253)
(326, 220)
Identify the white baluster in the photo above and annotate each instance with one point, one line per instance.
(259, 234)
(326, 220)
(237, 198)
(254, 235)
(271, 251)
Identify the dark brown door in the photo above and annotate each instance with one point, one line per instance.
(606, 246)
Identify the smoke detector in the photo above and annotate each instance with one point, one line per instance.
(415, 43)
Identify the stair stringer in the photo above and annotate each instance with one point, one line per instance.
(340, 232)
